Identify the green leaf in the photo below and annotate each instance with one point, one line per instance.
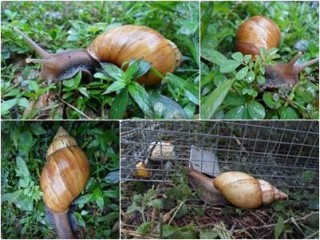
(270, 101)
(22, 170)
(119, 105)
(113, 71)
(214, 57)
(208, 234)
(288, 113)
(23, 102)
(191, 91)
(229, 66)
(144, 228)
(261, 79)
(215, 99)
(156, 203)
(84, 91)
(73, 83)
(184, 233)
(242, 73)
(256, 110)
(279, 228)
(166, 107)
(115, 86)
(137, 69)
(100, 202)
(250, 77)
(7, 105)
(79, 219)
(236, 113)
(141, 97)
(237, 56)
(34, 86)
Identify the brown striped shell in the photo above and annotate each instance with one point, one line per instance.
(128, 42)
(245, 191)
(65, 174)
(255, 33)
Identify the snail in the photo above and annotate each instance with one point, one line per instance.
(245, 191)
(63, 178)
(117, 46)
(261, 32)
(203, 185)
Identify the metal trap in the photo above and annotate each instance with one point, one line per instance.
(283, 153)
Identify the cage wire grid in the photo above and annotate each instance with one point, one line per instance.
(282, 153)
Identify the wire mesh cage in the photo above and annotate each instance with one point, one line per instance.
(284, 153)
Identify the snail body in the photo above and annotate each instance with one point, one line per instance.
(261, 32)
(245, 191)
(117, 46)
(63, 178)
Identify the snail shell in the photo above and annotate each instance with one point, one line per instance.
(128, 42)
(65, 173)
(255, 33)
(245, 191)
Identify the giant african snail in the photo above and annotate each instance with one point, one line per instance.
(240, 189)
(261, 32)
(63, 178)
(116, 46)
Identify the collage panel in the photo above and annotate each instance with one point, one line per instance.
(59, 180)
(219, 179)
(260, 60)
(136, 60)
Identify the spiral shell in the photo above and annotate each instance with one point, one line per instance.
(255, 33)
(128, 42)
(245, 191)
(65, 173)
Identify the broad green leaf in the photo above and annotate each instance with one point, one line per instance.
(237, 56)
(166, 107)
(7, 105)
(242, 73)
(119, 105)
(214, 57)
(144, 228)
(256, 110)
(22, 170)
(141, 97)
(79, 219)
(156, 203)
(250, 76)
(113, 71)
(208, 234)
(236, 113)
(229, 66)
(279, 228)
(288, 113)
(34, 86)
(84, 91)
(73, 83)
(215, 99)
(115, 86)
(191, 91)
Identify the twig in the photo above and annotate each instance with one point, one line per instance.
(76, 109)
(274, 224)
(175, 213)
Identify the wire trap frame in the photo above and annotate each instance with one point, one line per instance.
(285, 153)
